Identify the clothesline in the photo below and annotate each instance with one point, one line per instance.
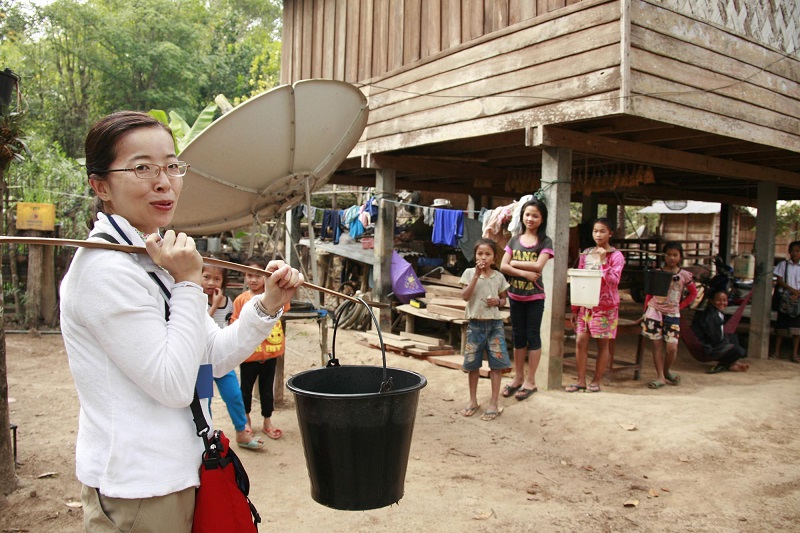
(429, 206)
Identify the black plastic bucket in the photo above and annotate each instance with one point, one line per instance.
(657, 282)
(356, 440)
(356, 423)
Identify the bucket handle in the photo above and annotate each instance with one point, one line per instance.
(386, 383)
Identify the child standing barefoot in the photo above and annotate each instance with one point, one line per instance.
(261, 365)
(662, 316)
(599, 322)
(525, 257)
(485, 292)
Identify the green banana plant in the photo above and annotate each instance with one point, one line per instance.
(181, 131)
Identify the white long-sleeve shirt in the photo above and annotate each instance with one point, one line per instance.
(135, 372)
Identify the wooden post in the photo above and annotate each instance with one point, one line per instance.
(311, 250)
(291, 240)
(725, 232)
(49, 302)
(34, 283)
(556, 173)
(766, 224)
(278, 384)
(323, 339)
(384, 242)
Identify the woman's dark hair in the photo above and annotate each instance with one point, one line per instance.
(104, 137)
(606, 222)
(672, 245)
(259, 260)
(541, 233)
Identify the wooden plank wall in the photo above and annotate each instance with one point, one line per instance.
(355, 40)
(691, 73)
(554, 68)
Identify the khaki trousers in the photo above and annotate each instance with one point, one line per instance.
(172, 513)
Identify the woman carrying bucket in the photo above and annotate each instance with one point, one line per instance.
(600, 321)
(663, 314)
(139, 338)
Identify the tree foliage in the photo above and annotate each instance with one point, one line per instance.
(82, 59)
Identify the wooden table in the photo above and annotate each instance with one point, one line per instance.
(624, 327)
(321, 316)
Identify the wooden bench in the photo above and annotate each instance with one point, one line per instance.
(411, 313)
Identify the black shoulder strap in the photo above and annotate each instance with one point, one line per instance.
(167, 294)
(197, 411)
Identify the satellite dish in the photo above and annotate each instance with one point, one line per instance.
(676, 205)
(255, 160)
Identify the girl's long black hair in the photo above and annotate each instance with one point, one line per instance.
(541, 232)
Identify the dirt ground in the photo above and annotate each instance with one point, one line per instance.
(719, 453)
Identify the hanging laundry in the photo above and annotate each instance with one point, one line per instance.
(427, 215)
(349, 214)
(516, 220)
(372, 206)
(448, 226)
(472, 232)
(356, 228)
(331, 225)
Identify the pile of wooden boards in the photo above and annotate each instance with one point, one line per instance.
(409, 344)
(443, 296)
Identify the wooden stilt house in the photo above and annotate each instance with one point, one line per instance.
(594, 100)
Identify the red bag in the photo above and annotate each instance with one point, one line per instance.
(221, 503)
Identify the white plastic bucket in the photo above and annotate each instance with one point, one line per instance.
(744, 266)
(584, 287)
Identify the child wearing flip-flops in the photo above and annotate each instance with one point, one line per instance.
(599, 322)
(220, 308)
(484, 290)
(525, 257)
(662, 316)
(261, 365)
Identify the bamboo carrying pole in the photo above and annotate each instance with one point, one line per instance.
(44, 241)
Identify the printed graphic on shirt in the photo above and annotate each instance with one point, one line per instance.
(273, 343)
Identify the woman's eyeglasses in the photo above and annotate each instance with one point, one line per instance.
(148, 171)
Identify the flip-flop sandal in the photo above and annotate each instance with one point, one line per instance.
(509, 390)
(655, 385)
(717, 369)
(593, 388)
(273, 433)
(673, 379)
(524, 394)
(491, 415)
(254, 444)
(469, 411)
(574, 388)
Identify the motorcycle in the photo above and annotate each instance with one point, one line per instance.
(722, 280)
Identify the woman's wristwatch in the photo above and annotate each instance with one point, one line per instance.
(263, 313)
